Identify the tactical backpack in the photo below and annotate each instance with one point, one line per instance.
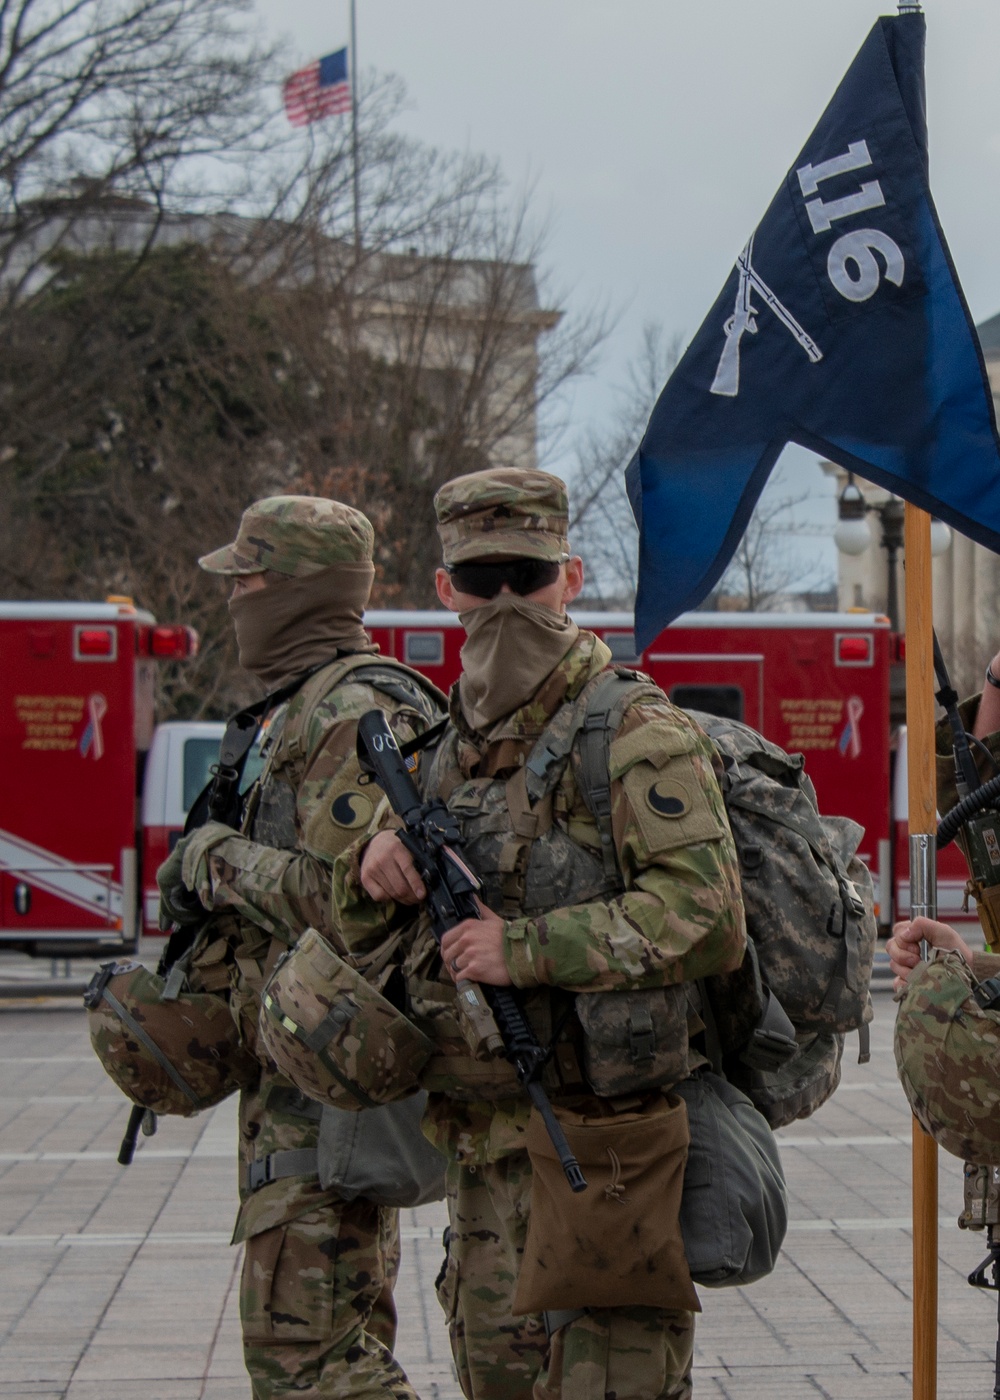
(776, 1026)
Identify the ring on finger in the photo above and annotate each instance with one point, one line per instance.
(454, 965)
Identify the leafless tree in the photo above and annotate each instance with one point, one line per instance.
(150, 391)
(769, 562)
(451, 359)
(166, 99)
(135, 430)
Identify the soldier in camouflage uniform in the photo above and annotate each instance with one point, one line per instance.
(316, 1293)
(559, 921)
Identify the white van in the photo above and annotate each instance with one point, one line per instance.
(178, 766)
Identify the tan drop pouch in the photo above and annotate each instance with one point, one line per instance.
(988, 908)
(618, 1243)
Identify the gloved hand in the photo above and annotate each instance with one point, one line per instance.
(194, 860)
(178, 905)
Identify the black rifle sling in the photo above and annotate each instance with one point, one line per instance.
(425, 740)
(219, 799)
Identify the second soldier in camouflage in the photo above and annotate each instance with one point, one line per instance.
(601, 935)
(316, 1291)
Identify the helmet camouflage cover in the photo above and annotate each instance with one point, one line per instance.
(176, 1056)
(948, 1056)
(335, 1036)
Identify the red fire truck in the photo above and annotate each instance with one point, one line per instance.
(76, 721)
(93, 799)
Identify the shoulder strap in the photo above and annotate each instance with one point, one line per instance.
(548, 758)
(383, 674)
(605, 709)
(219, 798)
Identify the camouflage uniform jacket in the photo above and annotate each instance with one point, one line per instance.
(306, 807)
(679, 918)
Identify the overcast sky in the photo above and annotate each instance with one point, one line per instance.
(654, 132)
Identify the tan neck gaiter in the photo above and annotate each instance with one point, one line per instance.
(512, 646)
(295, 624)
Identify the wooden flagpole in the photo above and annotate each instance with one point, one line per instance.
(921, 777)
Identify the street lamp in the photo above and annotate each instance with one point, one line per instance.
(853, 534)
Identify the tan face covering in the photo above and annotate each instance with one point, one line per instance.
(295, 624)
(511, 647)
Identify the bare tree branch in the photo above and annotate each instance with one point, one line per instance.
(160, 370)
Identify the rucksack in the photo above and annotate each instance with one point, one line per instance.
(776, 1026)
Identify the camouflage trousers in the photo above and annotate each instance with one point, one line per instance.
(317, 1308)
(629, 1353)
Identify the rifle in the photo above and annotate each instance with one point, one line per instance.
(493, 1018)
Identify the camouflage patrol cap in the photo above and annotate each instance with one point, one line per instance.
(175, 1056)
(948, 1057)
(334, 1035)
(505, 513)
(294, 535)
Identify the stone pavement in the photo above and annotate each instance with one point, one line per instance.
(119, 1284)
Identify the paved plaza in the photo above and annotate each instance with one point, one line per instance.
(120, 1284)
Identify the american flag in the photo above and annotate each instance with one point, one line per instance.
(321, 90)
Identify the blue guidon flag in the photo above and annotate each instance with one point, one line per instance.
(320, 90)
(842, 327)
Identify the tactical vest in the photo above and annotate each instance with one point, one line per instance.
(269, 814)
(270, 806)
(522, 837)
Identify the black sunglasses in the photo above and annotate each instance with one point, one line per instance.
(522, 576)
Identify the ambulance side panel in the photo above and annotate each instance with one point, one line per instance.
(72, 710)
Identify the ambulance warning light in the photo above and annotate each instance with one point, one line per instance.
(95, 643)
(854, 649)
(172, 643)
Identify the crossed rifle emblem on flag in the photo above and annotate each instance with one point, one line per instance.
(743, 322)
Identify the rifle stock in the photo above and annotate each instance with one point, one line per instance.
(493, 1018)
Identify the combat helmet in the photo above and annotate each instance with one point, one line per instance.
(334, 1034)
(948, 1056)
(176, 1055)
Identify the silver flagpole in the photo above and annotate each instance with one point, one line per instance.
(354, 132)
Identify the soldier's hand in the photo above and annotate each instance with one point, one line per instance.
(473, 950)
(904, 945)
(178, 905)
(388, 871)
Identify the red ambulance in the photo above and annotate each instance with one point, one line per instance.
(76, 722)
